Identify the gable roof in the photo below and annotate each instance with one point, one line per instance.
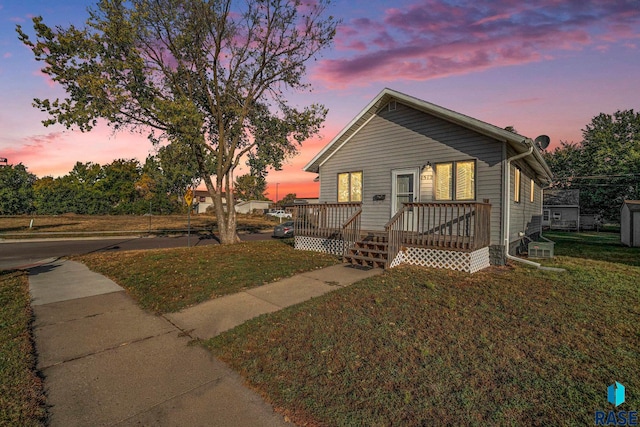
(519, 143)
(633, 205)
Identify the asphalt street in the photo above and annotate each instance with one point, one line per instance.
(14, 254)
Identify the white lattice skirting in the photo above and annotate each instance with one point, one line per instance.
(318, 244)
(452, 260)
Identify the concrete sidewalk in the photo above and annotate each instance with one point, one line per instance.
(108, 362)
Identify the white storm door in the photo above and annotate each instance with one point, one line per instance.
(404, 190)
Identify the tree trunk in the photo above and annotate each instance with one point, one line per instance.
(225, 215)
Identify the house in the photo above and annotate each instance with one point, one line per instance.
(630, 223)
(561, 209)
(407, 181)
(306, 200)
(250, 206)
(201, 201)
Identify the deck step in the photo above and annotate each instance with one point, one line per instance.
(359, 251)
(365, 261)
(369, 252)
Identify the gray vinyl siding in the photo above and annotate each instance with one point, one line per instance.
(526, 216)
(625, 226)
(629, 225)
(407, 138)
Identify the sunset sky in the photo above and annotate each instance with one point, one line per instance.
(544, 67)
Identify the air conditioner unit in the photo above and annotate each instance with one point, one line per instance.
(541, 249)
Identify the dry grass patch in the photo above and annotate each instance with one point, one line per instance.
(71, 223)
(22, 401)
(168, 280)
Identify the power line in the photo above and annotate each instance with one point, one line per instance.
(622, 175)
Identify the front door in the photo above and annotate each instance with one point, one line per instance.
(404, 190)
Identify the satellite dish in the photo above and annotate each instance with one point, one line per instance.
(543, 141)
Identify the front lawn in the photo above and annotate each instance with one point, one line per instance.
(505, 346)
(167, 280)
(22, 400)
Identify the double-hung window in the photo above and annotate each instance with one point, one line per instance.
(350, 187)
(455, 180)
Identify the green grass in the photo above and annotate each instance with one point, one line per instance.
(21, 390)
(168, 280)
(594, 245)
(414, 346)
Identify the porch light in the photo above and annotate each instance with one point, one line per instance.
(427, 166)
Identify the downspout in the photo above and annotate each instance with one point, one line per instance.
(507, 216)
(507, 197)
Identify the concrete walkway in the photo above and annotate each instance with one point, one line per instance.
(107, 362)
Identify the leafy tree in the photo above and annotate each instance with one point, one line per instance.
(55, 196)
(180, 169)
(81, 190)
(605, 167)
(16, 190)
(86, 173)
(208, 75)
(118, 186)
(155, 189)
(43, 192)
(288, 199)
(77, 192)
(250, 187)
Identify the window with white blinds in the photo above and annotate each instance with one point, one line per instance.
(465, 180)
(444, 181)
(455, 180)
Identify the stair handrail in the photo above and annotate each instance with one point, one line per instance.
(450, 223)
(396, 235)
(351, 230)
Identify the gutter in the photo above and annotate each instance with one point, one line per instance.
(507, 216)
(507, 195)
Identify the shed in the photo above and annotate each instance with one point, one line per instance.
(630, 223)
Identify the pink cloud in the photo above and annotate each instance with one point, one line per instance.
(499, 17)
(56, 152)
(430, 39)
(47, 79)
(7, 55)
(40, 141)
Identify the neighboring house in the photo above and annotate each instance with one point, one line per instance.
(630, 223)
(202, 200)
(249, 206)
(305, 200)
(561, 209)
(298, 202)
(407, 181)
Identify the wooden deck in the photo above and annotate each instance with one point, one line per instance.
(460, 227)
